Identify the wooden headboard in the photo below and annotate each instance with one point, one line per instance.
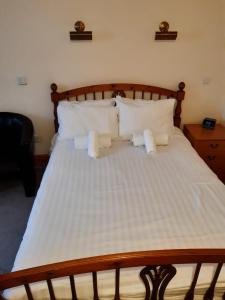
(101, 91)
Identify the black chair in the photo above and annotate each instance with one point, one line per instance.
(16, 150)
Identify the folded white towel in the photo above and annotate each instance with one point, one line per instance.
(105, 140)
(161, 139)
(138, 139)
(81, 141)
(149, 141)
(93, 145)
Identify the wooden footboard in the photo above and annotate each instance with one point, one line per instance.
(157, 271)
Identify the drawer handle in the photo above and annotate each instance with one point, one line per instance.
(214, 146)
(211, 157)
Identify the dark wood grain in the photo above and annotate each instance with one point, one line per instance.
(169, 35)
(117, 285)
(95, 285)
(191, 291)
(73, 288)
(84, 35)
(159, 277)
(209, 295)
(51, 289)
(28, 291)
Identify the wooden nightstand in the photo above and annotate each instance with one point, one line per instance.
(210, 145)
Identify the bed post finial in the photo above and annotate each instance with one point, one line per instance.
(54, 97)
(181, 86)
(54, 87)
(180, 98)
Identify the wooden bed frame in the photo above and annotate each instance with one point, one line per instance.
(137, 90)
(157, 266)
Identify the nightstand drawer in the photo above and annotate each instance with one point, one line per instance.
(215, 161)
(210, 148)
(221, 174)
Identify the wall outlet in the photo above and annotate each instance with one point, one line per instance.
(21, 80)
(206, 80)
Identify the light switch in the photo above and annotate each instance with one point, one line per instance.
(206, 80)
(21, 80)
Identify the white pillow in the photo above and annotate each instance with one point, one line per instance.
(80, 119)
(160, 139)
(155, 115)
(134, 102)
(103, 102)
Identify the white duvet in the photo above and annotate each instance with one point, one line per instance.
(124, 201)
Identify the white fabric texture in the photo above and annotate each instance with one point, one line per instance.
(102, 102)
(149, 141)
(124, 201)
(93, 144)
(137, 102)
(81, 141)
(156, 116)
(75, 119)
(138, 139)
(160, 139)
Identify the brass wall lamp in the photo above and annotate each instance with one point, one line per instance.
(164, 33)
(79, 33)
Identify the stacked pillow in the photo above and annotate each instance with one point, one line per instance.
(136, 117)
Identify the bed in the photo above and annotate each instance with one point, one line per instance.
(157, 222)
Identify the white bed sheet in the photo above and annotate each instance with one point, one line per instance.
(124, 201)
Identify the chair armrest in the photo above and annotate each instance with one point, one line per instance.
(27, 133)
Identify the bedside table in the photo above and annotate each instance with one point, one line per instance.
(210, 145)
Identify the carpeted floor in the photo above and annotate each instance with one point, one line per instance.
(14, 213)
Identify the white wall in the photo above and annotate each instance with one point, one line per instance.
(35, 43)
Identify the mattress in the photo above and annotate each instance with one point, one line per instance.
(123, 201)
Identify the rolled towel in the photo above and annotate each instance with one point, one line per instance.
(105, 140)
(81, 142)
(93, 145)
(161, 139)
(149, 141)
(138, 139)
